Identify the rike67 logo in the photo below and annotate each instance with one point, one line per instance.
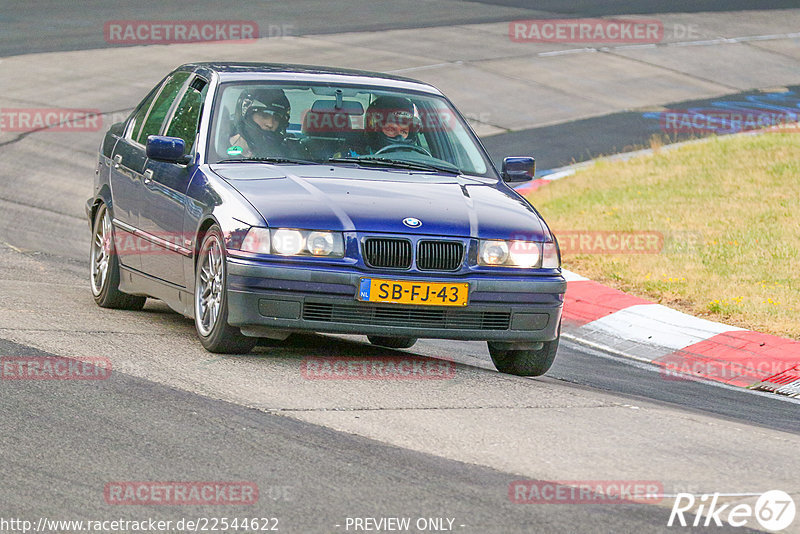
(774, 511)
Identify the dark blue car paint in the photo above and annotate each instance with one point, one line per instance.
(344, 198)
(184, 200)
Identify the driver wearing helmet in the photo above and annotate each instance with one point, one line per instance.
(391, 121)
(261, 118)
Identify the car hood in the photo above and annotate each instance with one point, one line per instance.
(367, 200)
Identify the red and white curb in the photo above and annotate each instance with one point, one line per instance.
(683, 345)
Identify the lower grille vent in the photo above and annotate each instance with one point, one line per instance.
(446, 318)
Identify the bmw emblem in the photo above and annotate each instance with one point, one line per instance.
(411, 222)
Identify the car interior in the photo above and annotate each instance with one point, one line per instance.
(329, 122)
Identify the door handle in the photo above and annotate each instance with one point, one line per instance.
(117, 161)
(148, 176)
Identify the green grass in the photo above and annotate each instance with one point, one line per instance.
(729, 211)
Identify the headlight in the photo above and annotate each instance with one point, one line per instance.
(521, 254)
(287, 242)
(493, 252)
(291, 242)
(525, 254)
(320, 243)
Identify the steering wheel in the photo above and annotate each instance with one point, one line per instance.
(398, 147)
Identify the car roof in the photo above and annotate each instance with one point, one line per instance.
(246, 71)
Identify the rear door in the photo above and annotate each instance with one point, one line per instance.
(127, 164)
(128, 171)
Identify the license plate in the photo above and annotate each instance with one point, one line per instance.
(412, 292)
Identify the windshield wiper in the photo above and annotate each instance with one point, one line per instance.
(401, 164)
(270, 159)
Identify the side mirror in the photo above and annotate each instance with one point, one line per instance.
(519, 169)
(165, 148)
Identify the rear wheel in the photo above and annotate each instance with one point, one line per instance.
(393, 342)
(525, 362)
(211, 300)
(104, 268)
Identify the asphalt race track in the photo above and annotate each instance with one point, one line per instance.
(41, 26)
(609, 134)
(323, 451)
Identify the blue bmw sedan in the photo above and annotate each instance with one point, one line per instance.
(265, 199)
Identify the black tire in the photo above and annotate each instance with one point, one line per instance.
(525, 362)
(217, 336)
(393, 342)
(105, 288)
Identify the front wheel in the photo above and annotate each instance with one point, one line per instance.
(104, 268)
(211, 300)
(393, 342)
(525, 362)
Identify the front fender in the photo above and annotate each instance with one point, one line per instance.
(211, 200)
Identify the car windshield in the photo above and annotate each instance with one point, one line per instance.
(342, 125)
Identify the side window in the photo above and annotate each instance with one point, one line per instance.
(161, 106)
(186, 119)
(136, 122)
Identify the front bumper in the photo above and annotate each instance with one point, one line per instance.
(282, 298)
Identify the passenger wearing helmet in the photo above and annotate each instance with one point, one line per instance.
(260, 122)
(391, 121)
